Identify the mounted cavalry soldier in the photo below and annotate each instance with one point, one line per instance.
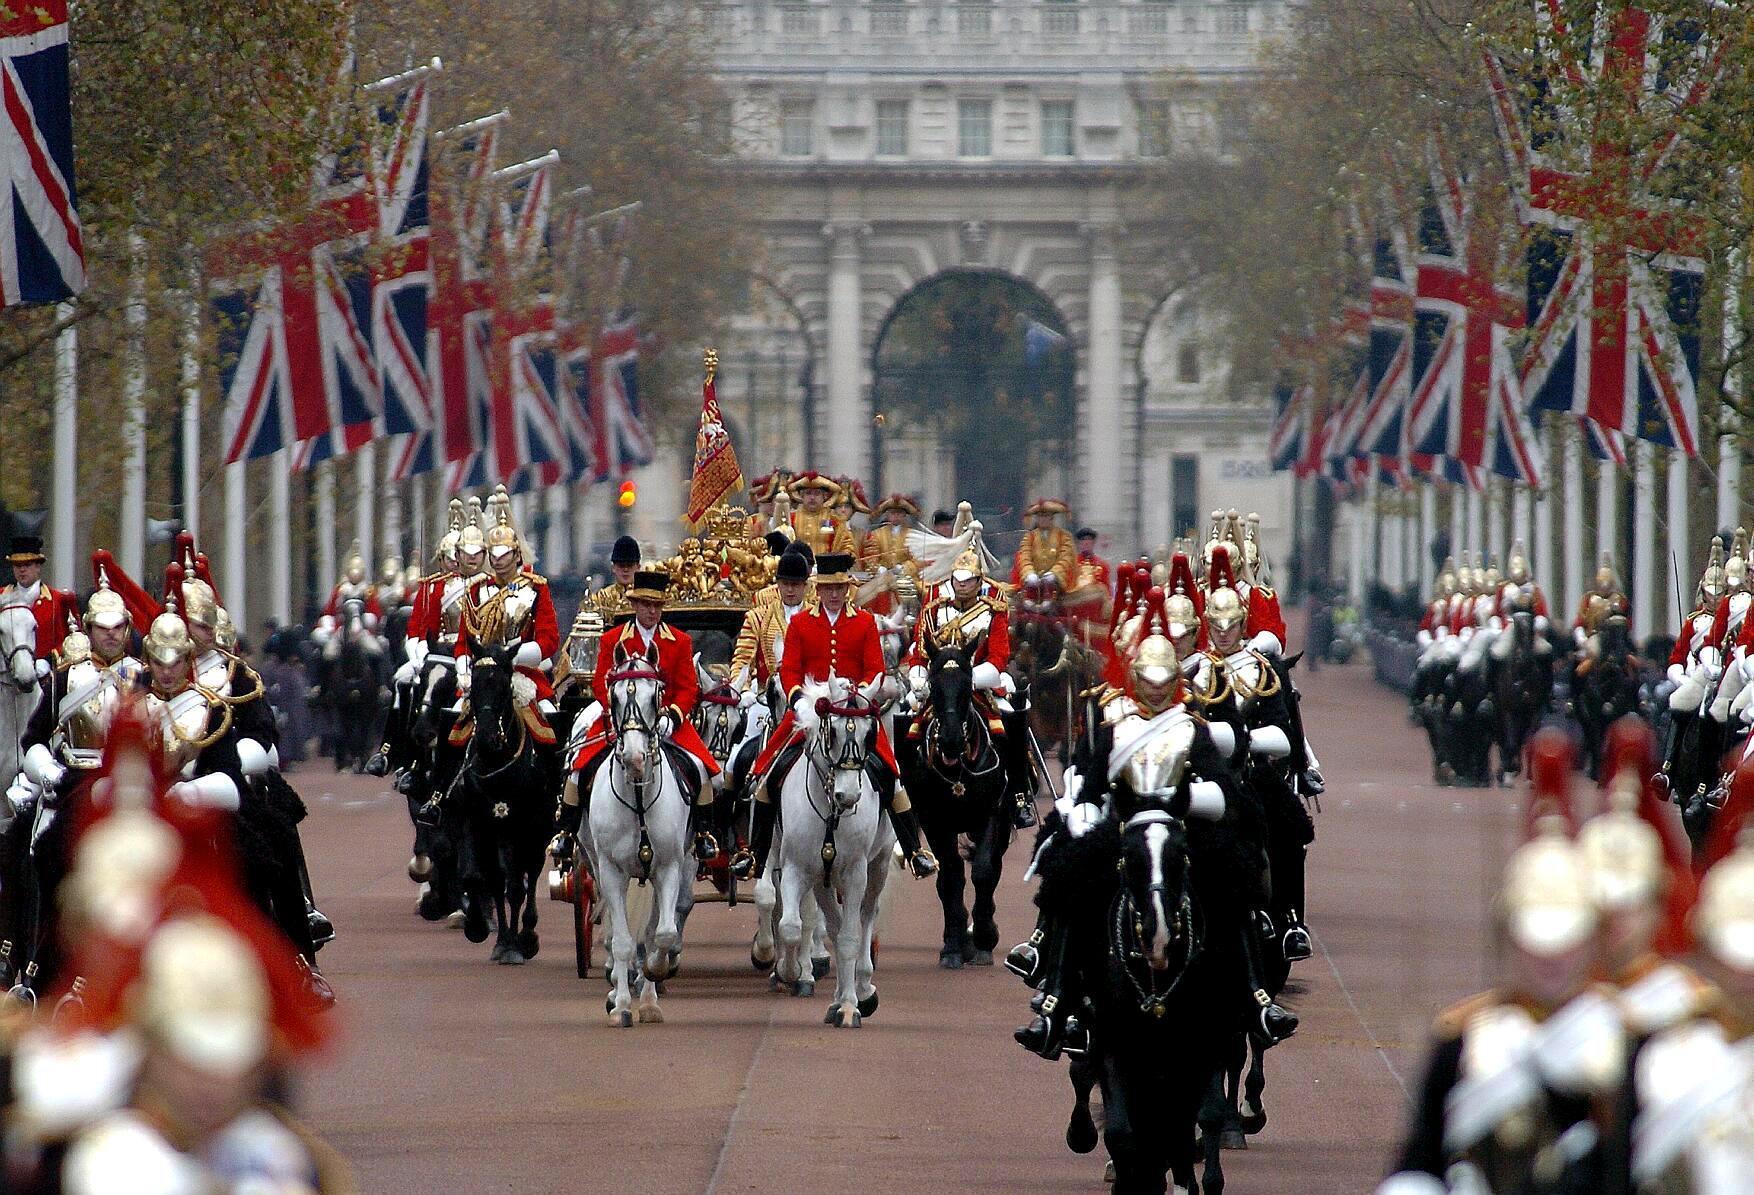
(813, 523)
(886, 544)
(968, 617)
(850, 502)
(835, 639)
(1604, 599)
(644, 640)
(1086, 602)
(1519, 591)
(1692, 736)
(1258, 687)
(510, 606)
(56, 612)
(353, 587)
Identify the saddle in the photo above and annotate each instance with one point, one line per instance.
(683, 767)
(875, 771)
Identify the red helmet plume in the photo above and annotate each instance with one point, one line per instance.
(1550, 756)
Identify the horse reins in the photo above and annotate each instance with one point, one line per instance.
(852, 758)
(635, 720)
(1126, 939)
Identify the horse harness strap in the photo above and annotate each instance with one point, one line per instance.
(1126, 947)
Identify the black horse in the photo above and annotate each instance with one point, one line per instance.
(1606, 690)
(506, 785)
(428, 772)
(1469, 721)
(1522, 684)
(955, 773)
(1154, 941)
(353, 689)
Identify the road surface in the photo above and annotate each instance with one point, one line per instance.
(458, 1075)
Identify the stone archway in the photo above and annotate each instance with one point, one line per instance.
(981, 364)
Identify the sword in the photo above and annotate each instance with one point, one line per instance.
(1040, 762)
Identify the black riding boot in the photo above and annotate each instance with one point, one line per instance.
(1267, 1020)
(569, 818)
(749, 863)
(1019, 772)
(906, 826)
(700, 817)
(1055, 1028)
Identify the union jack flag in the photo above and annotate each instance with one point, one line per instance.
(1287, 440)
(529, 439)
(42, 247)
(1615, 272)
(622, 441)
(403, 285)
(1467, 403)
(1389, 363)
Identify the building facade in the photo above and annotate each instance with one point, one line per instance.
(887, 145)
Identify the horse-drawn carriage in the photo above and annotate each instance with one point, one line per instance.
(714, 579)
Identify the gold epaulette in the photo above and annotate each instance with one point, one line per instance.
(534, 578)
(1452, 1021)
(1264, 590)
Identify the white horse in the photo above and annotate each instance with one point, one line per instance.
(638, 830)
(835, 839)
(18, 683)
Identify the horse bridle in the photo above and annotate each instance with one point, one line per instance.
(517, 753)
(12, 655)
(854, 754)
(1126, 939)
(979, 749)
(722, 737)
(635, 720)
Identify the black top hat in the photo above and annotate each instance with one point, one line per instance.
(793, 566)
(805, 550)
(1084, 533)
(942, 516)
(834, 568)
(26, 549)
(649, 586)
(625, 551)
(777, 543)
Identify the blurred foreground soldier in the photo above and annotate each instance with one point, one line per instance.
(1514, 1069)
(153, 1077)
(1692, 1082)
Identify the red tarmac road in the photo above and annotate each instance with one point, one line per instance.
(458, 1075)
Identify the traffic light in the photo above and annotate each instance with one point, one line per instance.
(628, 496)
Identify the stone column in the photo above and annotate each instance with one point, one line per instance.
(1641, 587)
(1729, 460)
(555, 539)
(847, 427)
(191, 377)
(1679, 562)
(64, 506)
(324, 486)
(237, 571)
(1575, 557)
(131, 535)
(1427, 529)
(280, 537)
(365, 480)
(1108, 444)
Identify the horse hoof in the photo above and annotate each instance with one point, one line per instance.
(1108, 1171)
(529, 944)
(849, 1018)
(757, 961)
(1081, 1130)
(609, 1004)
(868, 1005)
(1232, 1139)
(651, 1016)
(832, 1015)
(512, 957)
(804, 987)
(981, 958)
(620, 1020)
(950, 958)
(420, 869)
(1254, 1117)
(819, 966)
(774, 982)
(474, 925)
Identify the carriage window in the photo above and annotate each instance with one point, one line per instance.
(1184, 495)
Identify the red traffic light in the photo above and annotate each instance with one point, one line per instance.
(629, 494)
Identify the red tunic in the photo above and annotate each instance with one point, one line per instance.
(1683, 650)
(818, 647)
(372, 606)
(1264, 614)
(1537, 608)
(542, 629)
(423, 616)
(995, 648)
(681, 689)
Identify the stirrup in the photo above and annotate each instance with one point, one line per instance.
(742, 863)
(924, 863)
(706, 847)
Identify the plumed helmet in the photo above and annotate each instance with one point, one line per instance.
(199, 605)
(1547, 899)
(1516, 568)
(1224, 608)
(502, 537)
(1712, 585)
(205, 996)
(105, 607)
(225, 632)
(1736, 567)
(1178, 608)
(1154, 662)
(446, 553)
(353, 568)
(1446, 577)
(391, 572)
(1606, 581)
(167, 641)
(471, 539)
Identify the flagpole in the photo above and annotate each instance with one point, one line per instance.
(236, 571)
(1575, 556)
(392, 540)
(1644, 511)
(1476, 538)
(1679, 540)
(324, 486)
(365, 481)
(131, 535)
(191, 363)
(63, 510)
(1500, 515)
(1427, 529)
(1607, 517)
(280, 535)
